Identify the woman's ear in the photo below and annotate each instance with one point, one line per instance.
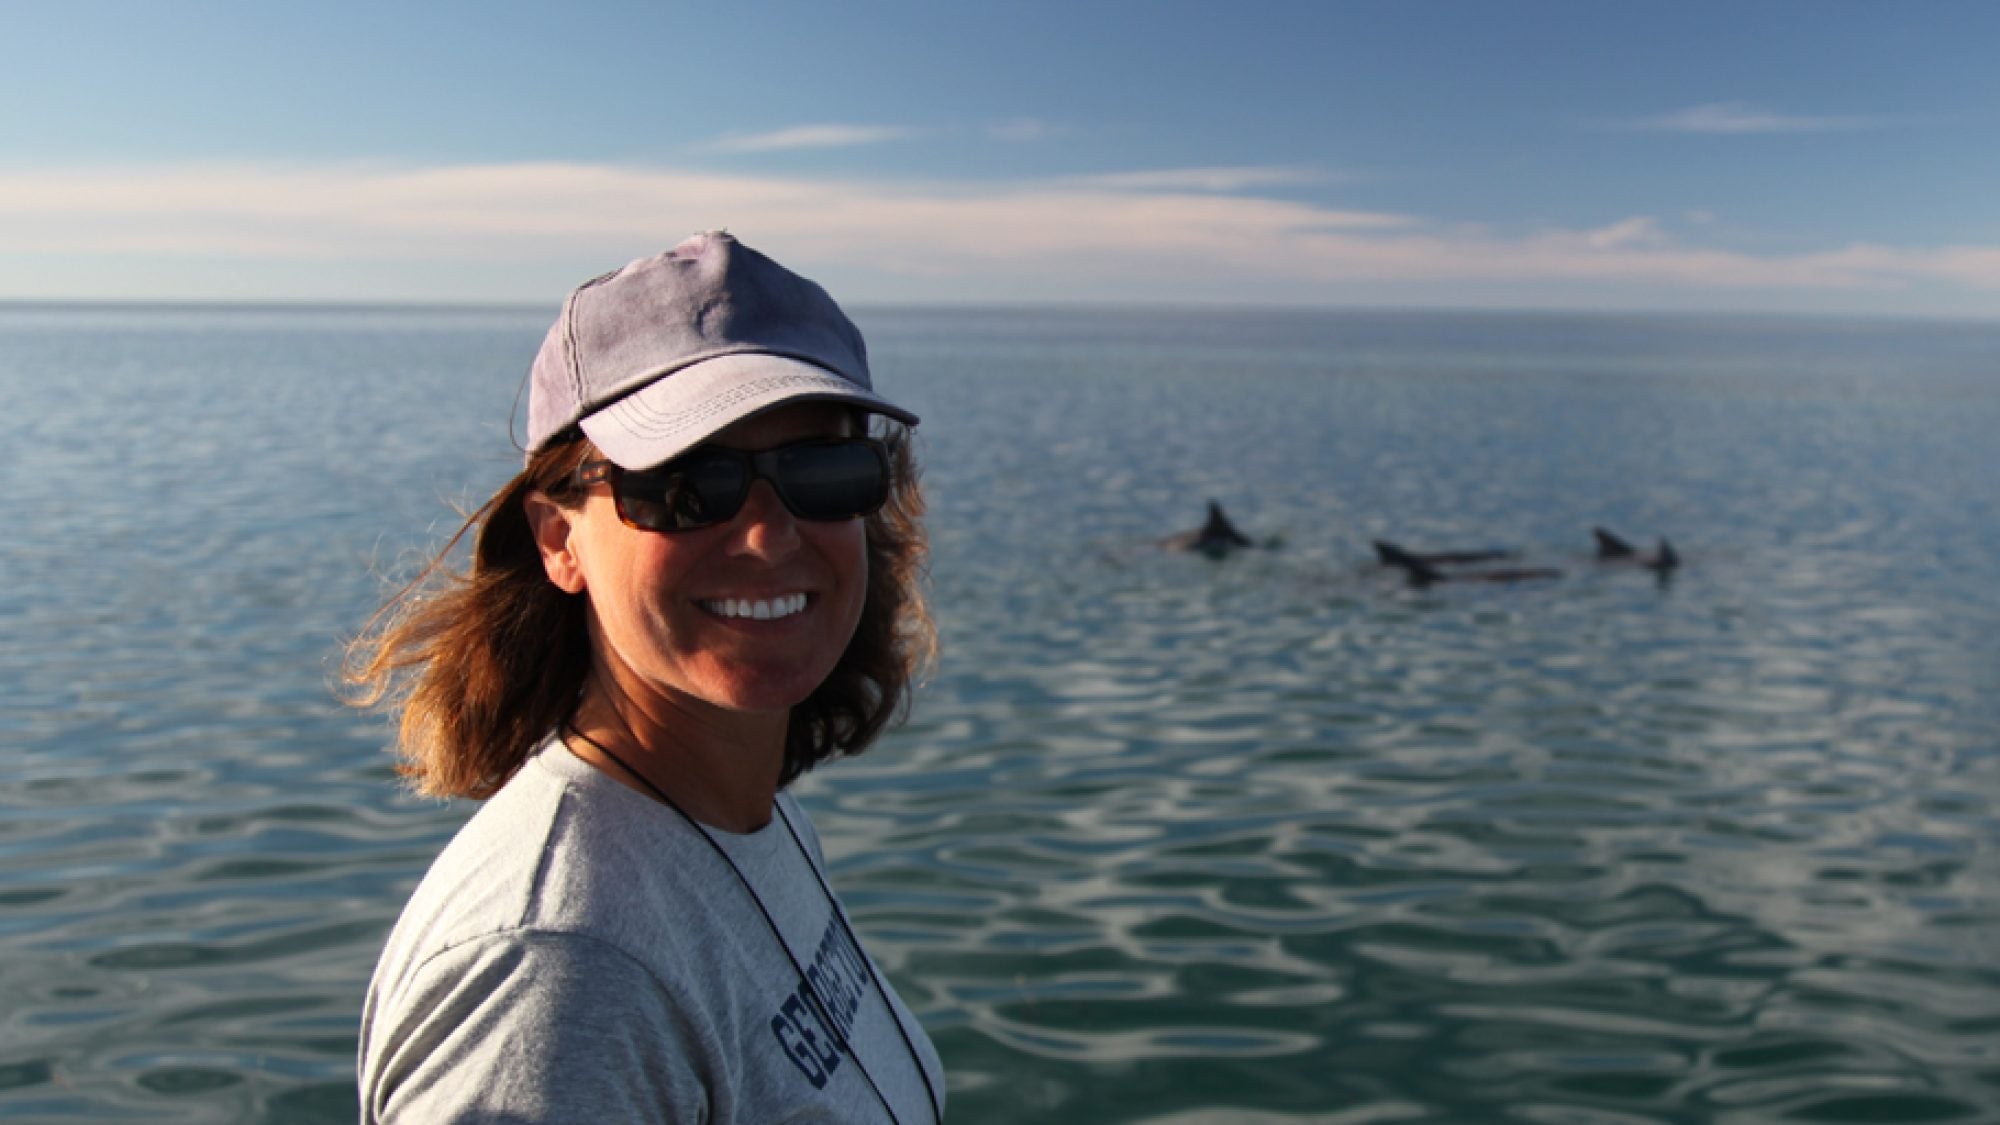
(553, 527)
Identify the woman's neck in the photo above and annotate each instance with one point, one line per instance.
(720, 767)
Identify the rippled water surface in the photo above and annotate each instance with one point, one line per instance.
(1168, 839)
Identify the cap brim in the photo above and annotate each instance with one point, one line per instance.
(683, 408)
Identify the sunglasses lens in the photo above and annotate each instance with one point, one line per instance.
(831, 481)
(685, 494)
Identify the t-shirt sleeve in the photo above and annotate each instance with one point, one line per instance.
(532, 1028)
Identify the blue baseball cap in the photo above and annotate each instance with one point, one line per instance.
(652, 359)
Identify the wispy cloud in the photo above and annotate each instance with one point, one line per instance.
(1742, 118)
(1216, 179)
(528, 231)
(1020, 130)
(1640, 230)
(813, 137)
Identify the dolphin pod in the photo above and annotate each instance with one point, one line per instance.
(1218, 536)
(1424, 569)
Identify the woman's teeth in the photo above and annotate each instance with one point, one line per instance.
(758, 610)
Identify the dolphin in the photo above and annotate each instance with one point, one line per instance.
(1422, 572)
(1612, 549)
(1214, 538)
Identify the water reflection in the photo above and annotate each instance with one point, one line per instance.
(1275, 839)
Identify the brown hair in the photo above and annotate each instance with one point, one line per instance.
(484, 665)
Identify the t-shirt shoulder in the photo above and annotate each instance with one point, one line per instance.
(527, 1026)
(564, 848)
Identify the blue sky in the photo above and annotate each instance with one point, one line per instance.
(1823, 157)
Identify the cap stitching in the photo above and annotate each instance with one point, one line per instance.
(642, 422)
(639, 383)
(569, 337)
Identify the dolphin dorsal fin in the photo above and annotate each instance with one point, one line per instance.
(1609, 546)
(1219, 529)
(1421, 573)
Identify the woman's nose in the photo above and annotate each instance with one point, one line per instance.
(765, 527)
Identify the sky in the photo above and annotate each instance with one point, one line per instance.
(1821, 157)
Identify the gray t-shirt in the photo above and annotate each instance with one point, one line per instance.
(578, 954)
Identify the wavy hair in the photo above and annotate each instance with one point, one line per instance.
(482, 665)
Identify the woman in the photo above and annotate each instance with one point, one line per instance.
(704, 583)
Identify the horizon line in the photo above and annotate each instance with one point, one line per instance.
(949, 305)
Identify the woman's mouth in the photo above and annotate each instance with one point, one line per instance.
(756, 609)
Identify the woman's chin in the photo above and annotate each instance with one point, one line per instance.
(764, 691)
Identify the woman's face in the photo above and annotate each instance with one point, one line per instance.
(676, 616)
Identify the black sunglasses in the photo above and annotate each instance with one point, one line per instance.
(820, 479)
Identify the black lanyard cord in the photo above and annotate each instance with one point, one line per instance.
(811, 991)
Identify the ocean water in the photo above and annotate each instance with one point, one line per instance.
(1272, 838)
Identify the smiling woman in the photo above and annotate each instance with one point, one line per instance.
(703, 584)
